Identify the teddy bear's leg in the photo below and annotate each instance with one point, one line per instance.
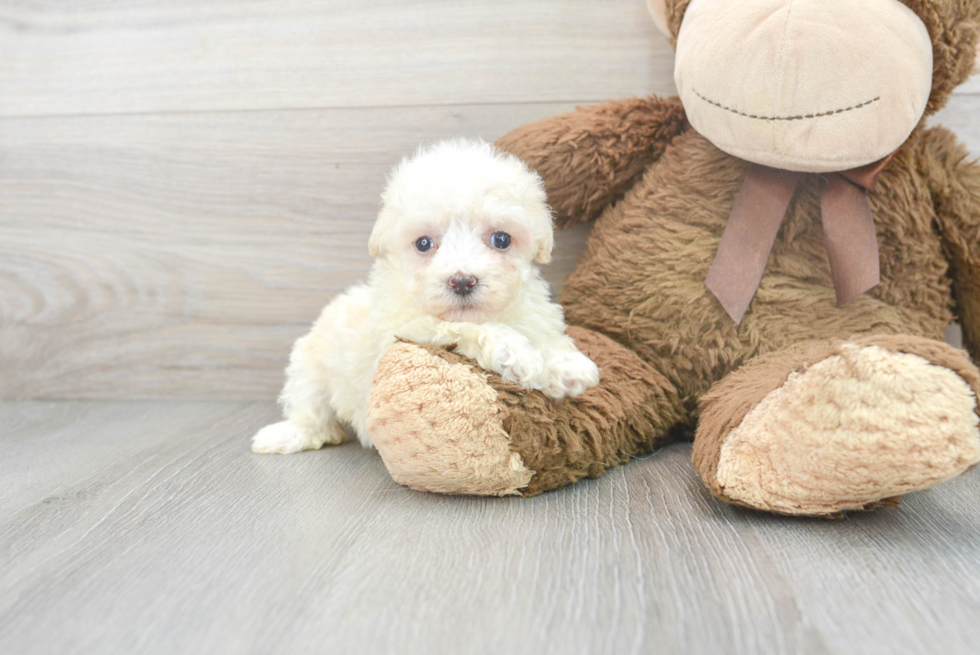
(822, 427)
(442, 424)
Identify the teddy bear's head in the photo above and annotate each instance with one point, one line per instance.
(816, 85)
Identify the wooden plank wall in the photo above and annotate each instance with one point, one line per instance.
(184, 184)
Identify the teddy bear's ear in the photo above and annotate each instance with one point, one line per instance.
(667, 16)
(658, 11)
(954, 28)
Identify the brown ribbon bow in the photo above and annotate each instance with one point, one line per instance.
(848, 226)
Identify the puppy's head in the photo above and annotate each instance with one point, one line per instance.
(462, 224)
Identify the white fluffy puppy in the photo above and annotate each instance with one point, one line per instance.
(460, 227)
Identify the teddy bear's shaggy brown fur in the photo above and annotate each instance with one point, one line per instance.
(805, 407)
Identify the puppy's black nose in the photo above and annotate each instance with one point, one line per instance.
(462, 285)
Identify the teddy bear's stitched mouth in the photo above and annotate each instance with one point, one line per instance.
(788, 118)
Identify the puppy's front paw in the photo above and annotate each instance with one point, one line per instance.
(570, 374)
(283, 438)
(516, 360)
(422, 330)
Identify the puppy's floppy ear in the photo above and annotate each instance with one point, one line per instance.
(374, 245)
(545, 246)
(543, 232)
(540, 218)
(381, 234)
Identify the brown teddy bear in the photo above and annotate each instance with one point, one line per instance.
(775, 256)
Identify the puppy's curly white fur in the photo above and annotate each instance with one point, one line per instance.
(460, 229)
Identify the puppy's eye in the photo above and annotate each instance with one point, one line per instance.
(500, 240)
(423, 244)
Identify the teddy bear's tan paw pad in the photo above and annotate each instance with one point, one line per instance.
(437, 426)
(853, 429)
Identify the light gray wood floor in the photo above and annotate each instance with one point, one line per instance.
(148, 527)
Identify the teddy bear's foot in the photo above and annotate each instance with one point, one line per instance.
(437, 426)
(442, 424)
(821, 428)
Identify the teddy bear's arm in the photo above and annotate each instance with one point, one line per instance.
(589, 157)
(955, 186)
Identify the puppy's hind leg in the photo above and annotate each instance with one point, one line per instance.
(310, 420)
(285, 438)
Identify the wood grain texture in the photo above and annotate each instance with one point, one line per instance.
(150, 528)
(962, 116)
(181, 255)
(89, 56)
(183, 184)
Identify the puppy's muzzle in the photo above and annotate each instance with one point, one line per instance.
(462, 285)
